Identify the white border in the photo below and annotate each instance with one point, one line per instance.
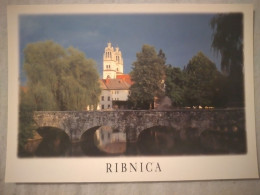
(89, 169)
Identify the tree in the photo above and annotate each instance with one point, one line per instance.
(148, 75)
(201, 86)
(57, 79)
(26, 123)
(60, 79)
(227, 39)
(175, 85)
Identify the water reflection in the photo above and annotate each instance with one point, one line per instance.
(97, 141)
(158, 140)
(110, 140)
(88, 143)
(55, 142)
(227, 141)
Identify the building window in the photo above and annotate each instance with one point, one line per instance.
(102, 98)
(102, 107)
(108, 106)
(108, 98)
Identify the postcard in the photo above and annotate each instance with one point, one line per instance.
(130, 93)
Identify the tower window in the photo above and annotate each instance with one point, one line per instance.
(102, 98)
(108, 98)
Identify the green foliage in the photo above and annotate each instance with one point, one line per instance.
(26, 123)
(57, 79)
(175, 86)
(201, 86)
(147, 75)
(228, 41)
(60, 79)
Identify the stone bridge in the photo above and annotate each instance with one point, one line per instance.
(133, 122)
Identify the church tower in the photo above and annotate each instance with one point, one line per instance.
(112, 62)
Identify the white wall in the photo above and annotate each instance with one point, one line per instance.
(105, 100)
(120, 94)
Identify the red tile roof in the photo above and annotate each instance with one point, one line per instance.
(114, 84)
(102, 84)
(125, 77)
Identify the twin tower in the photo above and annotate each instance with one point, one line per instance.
(112, 62)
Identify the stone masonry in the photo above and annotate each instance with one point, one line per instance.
(133, 122)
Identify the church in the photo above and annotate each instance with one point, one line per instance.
(115, 84)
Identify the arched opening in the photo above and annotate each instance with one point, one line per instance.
(87, 143)
(157, 140)
(103, 141)
(55, 142)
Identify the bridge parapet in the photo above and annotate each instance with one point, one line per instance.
(133, 122)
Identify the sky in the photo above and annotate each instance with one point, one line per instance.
(180, 36)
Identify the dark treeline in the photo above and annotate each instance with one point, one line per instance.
(199, 83)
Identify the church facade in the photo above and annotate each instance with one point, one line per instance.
(113, 63)
(115, 84)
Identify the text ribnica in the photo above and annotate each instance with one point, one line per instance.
(133, 167)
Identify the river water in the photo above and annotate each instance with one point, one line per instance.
(105, 141)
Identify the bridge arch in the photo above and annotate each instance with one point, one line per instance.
(43, 131)
(55, 141)
(88, 143)
(133, 122)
